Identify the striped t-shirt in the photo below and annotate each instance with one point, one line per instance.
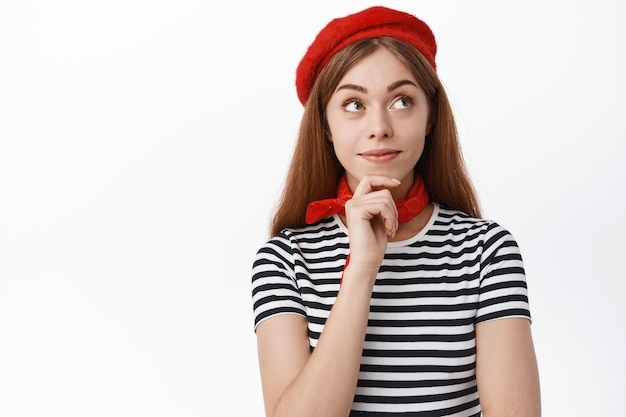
(419, 357)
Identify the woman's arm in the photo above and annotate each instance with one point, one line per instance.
(506, 369)
(323, 383)
(298, 383)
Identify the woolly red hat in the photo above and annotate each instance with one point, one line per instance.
(369, 23)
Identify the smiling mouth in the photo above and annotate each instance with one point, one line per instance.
(380, 155)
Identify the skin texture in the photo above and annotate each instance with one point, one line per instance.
(379, 106)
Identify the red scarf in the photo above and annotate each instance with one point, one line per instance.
(408, 207)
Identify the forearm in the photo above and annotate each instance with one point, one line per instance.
(327, 383)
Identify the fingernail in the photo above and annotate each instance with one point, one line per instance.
(396, 181)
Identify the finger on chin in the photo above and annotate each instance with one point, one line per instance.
(371, 183)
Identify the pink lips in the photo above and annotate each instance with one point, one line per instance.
(380, 155)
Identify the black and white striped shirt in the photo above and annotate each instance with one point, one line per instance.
(419, 356)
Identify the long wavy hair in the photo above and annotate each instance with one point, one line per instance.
(315, 170)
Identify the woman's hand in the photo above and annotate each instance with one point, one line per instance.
(371, 218)
(323, 382)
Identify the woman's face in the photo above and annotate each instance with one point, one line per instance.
(378, 120)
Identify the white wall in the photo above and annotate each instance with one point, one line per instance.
(143, 145)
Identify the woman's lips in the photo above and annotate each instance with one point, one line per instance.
(380, 155)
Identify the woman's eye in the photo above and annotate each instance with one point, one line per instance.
(353, 106)
(402, 103)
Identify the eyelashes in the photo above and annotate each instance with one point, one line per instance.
(403, 102)
(355, 105)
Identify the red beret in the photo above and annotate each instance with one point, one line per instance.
(369, 23)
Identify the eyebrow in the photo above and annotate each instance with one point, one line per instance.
(352, 87)
(393, 86)
(400, 83)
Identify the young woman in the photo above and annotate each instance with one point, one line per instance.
(381, 290)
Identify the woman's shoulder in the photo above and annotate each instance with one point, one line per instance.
(325, 229)
(451, 220)
(449, 216)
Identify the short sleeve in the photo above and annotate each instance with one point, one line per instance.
(503, 289)
(274, 287)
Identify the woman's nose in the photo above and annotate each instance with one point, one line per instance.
(379, 124)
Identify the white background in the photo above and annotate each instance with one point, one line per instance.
(142, 149)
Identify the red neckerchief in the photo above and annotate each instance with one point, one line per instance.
(408, 207)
